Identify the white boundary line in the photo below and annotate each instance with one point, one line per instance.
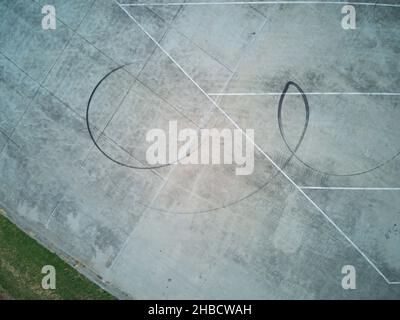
(350, 188)
(269, 3)
(260, 150)
(306, 93)
(258, 2)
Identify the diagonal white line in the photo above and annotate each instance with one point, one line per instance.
(257, 147)
(390, 5)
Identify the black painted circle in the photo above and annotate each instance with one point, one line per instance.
(293, 151)
(91, 134)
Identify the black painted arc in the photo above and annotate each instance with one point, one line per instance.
(281, 129)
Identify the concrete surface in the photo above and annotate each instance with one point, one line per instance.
(199, 231)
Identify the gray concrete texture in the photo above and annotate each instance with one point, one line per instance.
(200, 231)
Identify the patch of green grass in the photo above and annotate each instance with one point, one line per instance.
(21, 261)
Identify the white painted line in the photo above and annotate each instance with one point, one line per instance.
(350, 188)
(259, 149)
(390, 5)
(306, 93)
